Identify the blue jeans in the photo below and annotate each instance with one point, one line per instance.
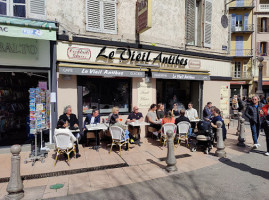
(255, 129)
(189, 134)
(126, 134)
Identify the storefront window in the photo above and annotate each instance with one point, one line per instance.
(104, 93)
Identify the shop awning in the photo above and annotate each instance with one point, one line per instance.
(182, 76)
(27, 28)
(105, 71)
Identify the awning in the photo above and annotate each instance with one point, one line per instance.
(181, 76)
(99, 71)
(26, 28)
(238, 82)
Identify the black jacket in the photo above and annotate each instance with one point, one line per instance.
(252, 113)
(181, 119)
(73, 119)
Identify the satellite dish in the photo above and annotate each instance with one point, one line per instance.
(224, 21)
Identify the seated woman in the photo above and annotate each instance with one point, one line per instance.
(168, 118)
(61, 128)
(160, 111)
(175, 111)
(153, 120)
(217, 117)
(115, 121)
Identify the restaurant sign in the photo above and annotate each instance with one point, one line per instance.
(194, 77)
(100, 72)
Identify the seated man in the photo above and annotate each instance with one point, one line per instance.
(192, 114)
(93, 118)
(135, 130)
(182, 118)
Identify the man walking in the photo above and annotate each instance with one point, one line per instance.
(253, 112)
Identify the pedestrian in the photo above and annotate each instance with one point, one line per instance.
(207, 111)
(265, 123)
(217, 117)
(253, 112)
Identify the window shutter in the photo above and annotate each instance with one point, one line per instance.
(259, 24)
(93, 15)
(208, 23)
(267, 24)
(233, 22)
(264, 69)
(267, 49)
(258, 48)
(190, 21)
(109, 16)
(246, 22)
(37, 9)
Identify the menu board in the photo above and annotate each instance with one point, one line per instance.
(224, 100)
(144, 94)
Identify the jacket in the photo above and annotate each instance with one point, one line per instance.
(224, 130)
(72, 121)
(206, 113)
(265, 109)
(253, 114)
(88, 119)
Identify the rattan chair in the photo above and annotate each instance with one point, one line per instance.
(118, 137)
(183, 130)
(63, 144)
(166, 127)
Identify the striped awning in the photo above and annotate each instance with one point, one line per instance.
(27, 23)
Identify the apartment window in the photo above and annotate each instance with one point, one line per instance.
(263, 25)
(238, 22)
(18, 8)
(237, 70)
(196, 26)
(101, 16)
(13, 8)
(263, 48)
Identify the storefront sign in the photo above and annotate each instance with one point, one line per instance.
(144, 19)
(79, 53)
(126, 54)
(100, 72)
(22, 32)
(180, 76)
(224, 100)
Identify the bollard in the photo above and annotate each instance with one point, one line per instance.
(15, 186)
(238, 125)
(220, 144)
(241, 137)
(171, 159)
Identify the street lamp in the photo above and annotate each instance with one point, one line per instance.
(259, 91)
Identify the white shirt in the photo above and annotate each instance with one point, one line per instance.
(191, 113)
(92, 120)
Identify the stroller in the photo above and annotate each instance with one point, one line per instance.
(204, 138)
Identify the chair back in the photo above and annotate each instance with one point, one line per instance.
(183, 127)
(169, 126)
(62, 138)
(117, 133)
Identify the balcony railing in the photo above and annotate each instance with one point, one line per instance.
(241, 52)
(264, 7)
(245, 28)
(242, 4)
(241, 75)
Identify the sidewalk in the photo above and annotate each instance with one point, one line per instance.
(142, 163)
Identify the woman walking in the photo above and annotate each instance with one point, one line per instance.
(265, 124)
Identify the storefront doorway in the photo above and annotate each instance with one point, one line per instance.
(179, 91)
(14, 105)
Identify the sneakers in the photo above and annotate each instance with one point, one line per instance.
(258, 145)
(255, 146)
(267, 154)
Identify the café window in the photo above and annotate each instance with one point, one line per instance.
(105, 93)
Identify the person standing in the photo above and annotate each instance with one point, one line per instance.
(253, 112)
(265, 123)
(207, 111)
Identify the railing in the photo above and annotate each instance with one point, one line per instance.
(241, 75)
(264, 7)
(241, 52)
(242, 4)
(246, 27)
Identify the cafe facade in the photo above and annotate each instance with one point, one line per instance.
(98, 74)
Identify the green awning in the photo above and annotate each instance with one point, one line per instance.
(28, 23)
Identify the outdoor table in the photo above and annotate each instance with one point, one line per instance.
(195, 124)
(96, 128)
(137, 123)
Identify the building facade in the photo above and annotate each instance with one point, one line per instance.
(103, 62)
(261, 16)
(241, 31)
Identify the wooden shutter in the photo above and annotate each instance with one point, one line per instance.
(93, 15)
(37, 9)
(208, 23)
(109, 16)
(258, 48)
(246, 22)
(259, 24)
(233, 22)
(267, 49)
(264, 69)
(267, 24)
(190, 21)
